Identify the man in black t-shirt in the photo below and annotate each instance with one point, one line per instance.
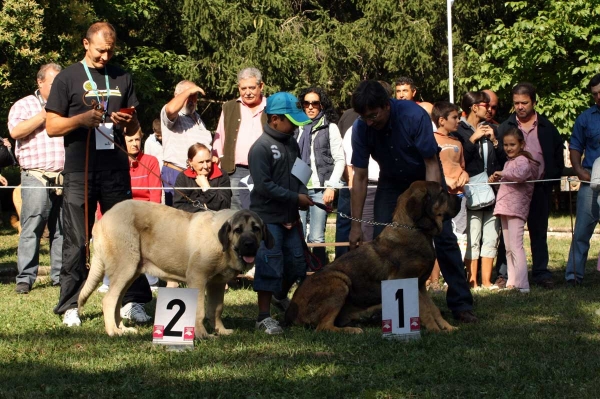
(70, 114)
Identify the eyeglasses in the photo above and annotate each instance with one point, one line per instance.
(314, 104)
(371, 117)
(485, 105)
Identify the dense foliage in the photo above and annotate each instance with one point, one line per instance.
(335, 44)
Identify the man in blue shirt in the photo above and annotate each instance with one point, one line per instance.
(399, 136)
(585, 139)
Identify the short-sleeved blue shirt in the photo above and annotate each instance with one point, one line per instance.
(586, 135)
(400, 147)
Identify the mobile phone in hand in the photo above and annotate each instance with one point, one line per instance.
(128, 111)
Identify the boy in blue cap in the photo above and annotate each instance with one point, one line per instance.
(276, 197)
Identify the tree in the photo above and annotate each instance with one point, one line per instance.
(553, 44)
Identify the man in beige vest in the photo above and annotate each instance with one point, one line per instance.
(240, 124)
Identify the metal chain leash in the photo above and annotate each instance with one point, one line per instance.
(371, 222)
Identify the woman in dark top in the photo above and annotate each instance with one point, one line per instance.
(201, 175)
(479, 138)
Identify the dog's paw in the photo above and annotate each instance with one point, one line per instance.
(352, 330)
(449, 329)
(223, 331)
(202, 334)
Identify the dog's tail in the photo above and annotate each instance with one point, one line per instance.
(94, 278)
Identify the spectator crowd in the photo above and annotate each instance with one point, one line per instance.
(70, 136)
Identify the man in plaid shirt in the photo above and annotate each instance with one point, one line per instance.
(41, 158)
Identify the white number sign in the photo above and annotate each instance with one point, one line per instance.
(400, 309)
(175, 316)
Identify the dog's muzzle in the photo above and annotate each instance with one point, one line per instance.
(247, 247)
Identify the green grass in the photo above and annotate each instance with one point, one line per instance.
(542, 345)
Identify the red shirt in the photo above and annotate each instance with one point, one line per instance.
(142, 179)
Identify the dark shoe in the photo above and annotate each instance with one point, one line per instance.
(465, 316)
(545, 283)
(500, 283)
(22, 288)
(574, 282)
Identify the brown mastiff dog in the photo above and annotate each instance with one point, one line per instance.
(204, 250)
(350, 288)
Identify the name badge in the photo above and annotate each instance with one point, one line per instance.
(103, 133)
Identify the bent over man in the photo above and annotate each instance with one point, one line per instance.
(399, 137)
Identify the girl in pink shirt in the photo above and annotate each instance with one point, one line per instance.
(512, 205)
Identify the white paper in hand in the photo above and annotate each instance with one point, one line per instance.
(302, 171)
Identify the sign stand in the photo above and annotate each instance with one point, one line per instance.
(175, 318)
(400, 309)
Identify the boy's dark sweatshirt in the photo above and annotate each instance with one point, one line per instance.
(275, 194)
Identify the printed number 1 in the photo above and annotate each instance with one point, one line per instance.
(400, 299)
(168, 330)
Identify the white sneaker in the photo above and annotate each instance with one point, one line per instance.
(71, 318)
(282, 304)
(103, 289)
(269, 326)
(135, 312)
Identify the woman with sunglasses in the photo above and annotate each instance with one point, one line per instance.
(320, 145)
(481, 153)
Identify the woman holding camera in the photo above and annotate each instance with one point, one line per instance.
(481, 153)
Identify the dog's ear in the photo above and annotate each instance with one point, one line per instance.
(224, 235)
(267, 237)
(417, 204)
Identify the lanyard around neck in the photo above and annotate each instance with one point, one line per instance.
(95, 86)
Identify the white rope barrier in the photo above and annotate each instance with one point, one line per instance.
(565, 178)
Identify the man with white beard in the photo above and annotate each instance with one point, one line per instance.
(181, 127)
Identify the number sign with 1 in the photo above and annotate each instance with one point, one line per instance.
(400, 309)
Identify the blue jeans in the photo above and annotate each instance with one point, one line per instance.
(40, 206)
(284, 262)
(317, 218)
(234, 181)
(586, 220)
(459, 296)
(169, 175)
(342, 225)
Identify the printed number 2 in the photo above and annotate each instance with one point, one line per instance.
(400, 299)
(168, 330)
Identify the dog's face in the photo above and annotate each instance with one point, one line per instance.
(427, 204)
(243, 232)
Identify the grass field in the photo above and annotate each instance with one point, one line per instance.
(542, 345)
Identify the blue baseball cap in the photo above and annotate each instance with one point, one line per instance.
(287, 104)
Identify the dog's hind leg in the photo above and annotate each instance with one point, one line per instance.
(358, 314)
(334, 305)
(215, 294)
(113, 300)
(328, 324)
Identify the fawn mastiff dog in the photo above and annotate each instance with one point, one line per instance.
(204, 250)
(350, 288)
